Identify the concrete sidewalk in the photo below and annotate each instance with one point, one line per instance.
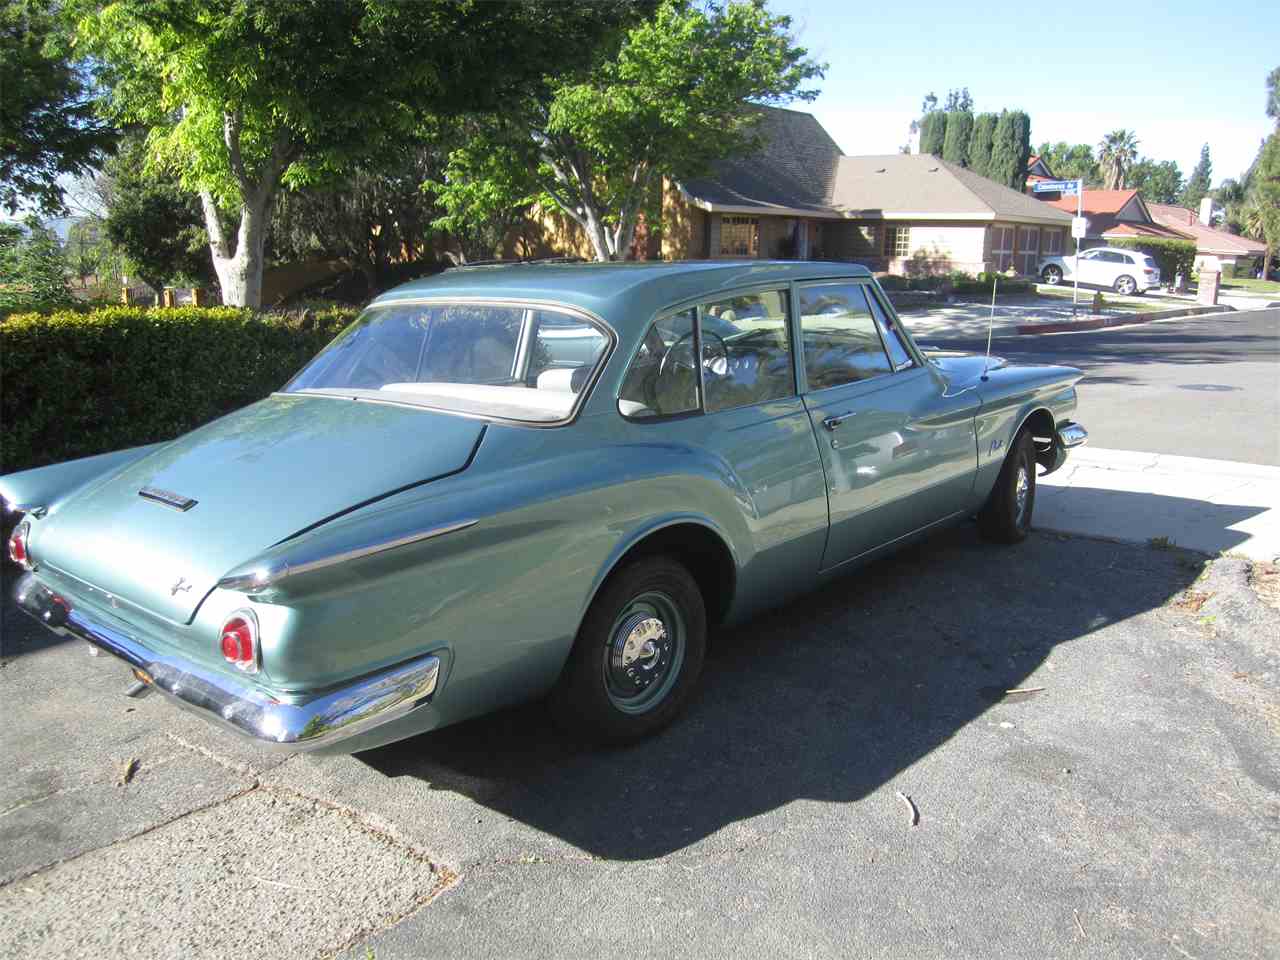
(1212, 506)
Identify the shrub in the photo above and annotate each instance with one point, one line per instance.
(75, 384)
(1171, 256)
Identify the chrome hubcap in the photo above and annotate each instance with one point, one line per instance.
(1020, 494)
(646, 650)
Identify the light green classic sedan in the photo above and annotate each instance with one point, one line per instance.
(512, 482)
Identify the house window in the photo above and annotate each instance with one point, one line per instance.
(1052, 243)
(739, 237)
(1002, 247)
(897, 241)
(1028, 250)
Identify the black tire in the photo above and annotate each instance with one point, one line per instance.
(1052, 275)
(1003, 518)
(1126, 286)
(602, 696)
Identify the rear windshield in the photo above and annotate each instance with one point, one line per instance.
(513, 362)
(1150, 261)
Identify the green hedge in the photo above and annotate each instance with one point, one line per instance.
(1173, 257)
(75, 384)
(957, 282)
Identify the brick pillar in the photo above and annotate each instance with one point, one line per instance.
(1208, 288)
(126, 296)
(198, 298)
(167, 298)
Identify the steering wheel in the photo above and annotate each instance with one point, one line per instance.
(715, 361)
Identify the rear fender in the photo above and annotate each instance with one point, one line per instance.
(38, 490)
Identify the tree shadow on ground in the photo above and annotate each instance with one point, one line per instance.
(828, 698)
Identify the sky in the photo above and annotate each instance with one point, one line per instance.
(1177, 73)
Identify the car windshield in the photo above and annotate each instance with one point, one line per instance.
(509, 361)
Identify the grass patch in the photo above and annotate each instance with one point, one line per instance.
(1250, 285)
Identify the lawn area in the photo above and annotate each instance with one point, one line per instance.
(1249, 285)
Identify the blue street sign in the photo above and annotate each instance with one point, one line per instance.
(1068, 188)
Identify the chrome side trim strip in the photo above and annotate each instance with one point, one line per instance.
(259, 579)
(307, 723)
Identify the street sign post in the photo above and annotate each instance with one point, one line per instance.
(1067, 188)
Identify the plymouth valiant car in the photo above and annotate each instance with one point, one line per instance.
(510, 482)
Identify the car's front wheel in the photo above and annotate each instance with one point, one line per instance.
(1052, 275)
(1006, 516)
(637, 655)
(1126, 286)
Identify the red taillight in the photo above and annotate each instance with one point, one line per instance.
(1148, 271)
(240, 640)
(18, 552)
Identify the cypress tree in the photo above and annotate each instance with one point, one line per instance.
(1004, 160)
(1021, 149)
(933, 132)
(955, 148)
(984, 129)
(1200, 181)
(1010, 149)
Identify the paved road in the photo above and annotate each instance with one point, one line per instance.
(1131, 807)
(1196, 387)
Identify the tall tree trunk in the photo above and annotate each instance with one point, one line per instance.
(240, 270)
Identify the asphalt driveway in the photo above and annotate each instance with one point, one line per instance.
(1126, 804)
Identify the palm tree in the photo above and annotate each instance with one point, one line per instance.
(1116, 154)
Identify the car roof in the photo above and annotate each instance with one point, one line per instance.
(625, 295)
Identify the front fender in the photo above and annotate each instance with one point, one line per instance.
(40, 488)
(1010, 397)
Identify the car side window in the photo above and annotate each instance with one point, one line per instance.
(663, 378)
(898, 352)
(746, 350)
(839, 337)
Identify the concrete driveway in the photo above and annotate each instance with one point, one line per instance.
(1127, 803)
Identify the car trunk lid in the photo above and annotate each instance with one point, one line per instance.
(161, 532)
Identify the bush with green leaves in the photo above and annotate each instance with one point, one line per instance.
(75, 384)
(1173, 257)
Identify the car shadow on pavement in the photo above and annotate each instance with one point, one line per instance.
(828, 698)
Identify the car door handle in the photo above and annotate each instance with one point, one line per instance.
(832, 422)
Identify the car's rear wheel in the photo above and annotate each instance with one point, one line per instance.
(1006, 516)
(637, 656)
(1052, 275)
(1126, 286)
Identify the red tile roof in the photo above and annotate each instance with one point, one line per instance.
(1096, 202)
(1208, 240)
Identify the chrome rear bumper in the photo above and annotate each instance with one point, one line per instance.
(298, 723)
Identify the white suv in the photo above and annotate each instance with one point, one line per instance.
(1124, 271)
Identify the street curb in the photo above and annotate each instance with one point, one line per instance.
(1097, 323)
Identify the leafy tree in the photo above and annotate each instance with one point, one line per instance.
(157, 225)
(959, 101)
(1200, 181)
(33, 271)
(1071, 161)
(242, 98)
(1158, 182)
(1267, 194)
(980, 142)
(1116, 154)
(89, 253)
(1273, 94)
(933, 132)
(484, 195)
(373, 217)
(955, 147)
(678, 93)
(48, 128)
(1011, 149)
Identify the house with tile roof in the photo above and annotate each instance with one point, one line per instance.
(799, 196)
(1112, 214)
(1215, 249)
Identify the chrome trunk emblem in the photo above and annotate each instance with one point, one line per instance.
(168, 498)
